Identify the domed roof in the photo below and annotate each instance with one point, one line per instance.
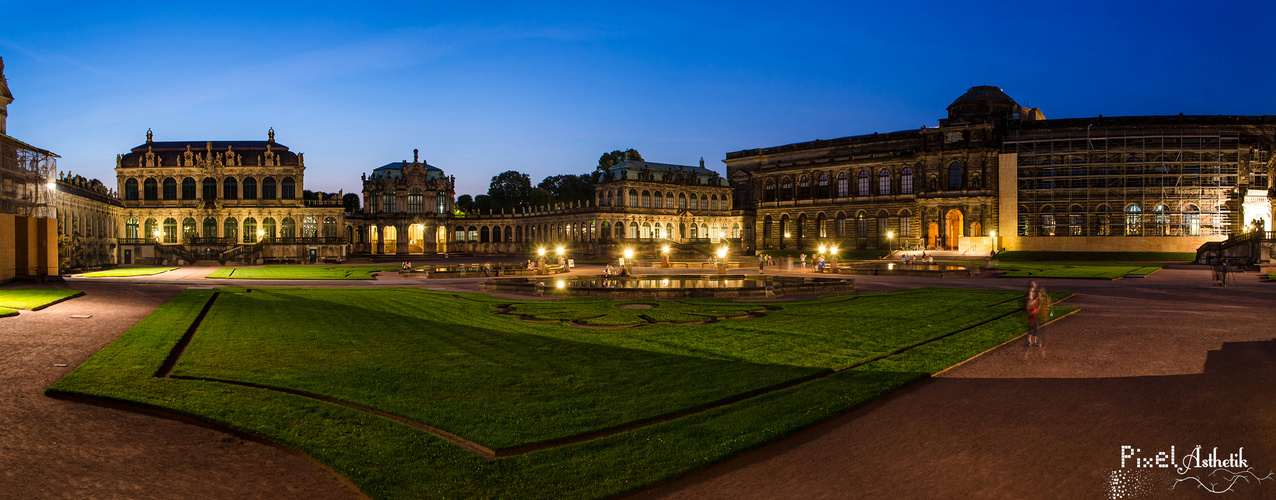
(983, 93)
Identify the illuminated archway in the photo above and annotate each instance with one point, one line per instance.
(953, 228)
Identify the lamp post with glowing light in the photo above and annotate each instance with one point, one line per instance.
(823, 249)
(628, 262)
(561, 260)
(833, 259)
(993, 235)
(540, 260)
(665, 251)
(890, 237)
(722, 260)
(785, 242)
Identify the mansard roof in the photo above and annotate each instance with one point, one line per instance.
(248, 151)
(648, 165)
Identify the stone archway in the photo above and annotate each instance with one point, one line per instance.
(953, 228)
(932, 230)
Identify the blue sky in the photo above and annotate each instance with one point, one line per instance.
(481, 89)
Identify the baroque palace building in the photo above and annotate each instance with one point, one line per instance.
(995, 174)
(223, 200)
(643, 206)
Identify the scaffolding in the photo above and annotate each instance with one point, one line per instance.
(27, 176)
(1130, 181)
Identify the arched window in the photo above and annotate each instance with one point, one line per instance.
(633, 197)
(669, 199)
(821, 225)
(682, 201)
(646, 230)
(188, 229)
(884, 182)
(841, 224)
(484, 235)
(170, 229)
(713, 202)
(1103, 220)
(905, 223)
(768, 192)
(210, 188)
(695, 202)
(188, 188)
(170, 188)
(150, 189)
(130, 227)
(250, 230)
(786, 189)
(906, 183)
(130, 189)
(735, 231)
(633, 229)
(822, 186)
(230, 229)
(210, 227)
(250, 192)
(268, 188)
(658, 200)
(416, 201)
(389, 202)
(1192, 220)
(310, 227)
(609, 198)
(704, 202)
(1160, 221)
(288, 189)
(1133, 221)
(268, 229)
(329, 227)
(646, 199)
(151, 230)
(288, 228)
(695, 232)
(682, 230)
(620, 229)
(954, 175)
(230, 188)
(804, 188)
(1047, 221)
(861, 225)
(862, 188)
(509, 234)
(1076, 221)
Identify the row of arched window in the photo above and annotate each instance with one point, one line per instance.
(1178, 157)
(167, 231)
(584, 232)
(413, 202)
(884, 182)
(168, 189)
(1103, 221)
(897, 225)
(658, 199)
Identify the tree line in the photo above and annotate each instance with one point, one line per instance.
(511, 189)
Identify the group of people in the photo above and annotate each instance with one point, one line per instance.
(405, 266)
(612, 271)
(914, 259)
(763, 261)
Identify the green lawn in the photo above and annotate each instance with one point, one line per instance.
(35, 299)
(842, 254)
(1016, 256)
(128, 271)
(6, 312)
(445, 360)
(1096, 270)
(302, 272)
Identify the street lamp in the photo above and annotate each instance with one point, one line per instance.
(665, 250)
(890, 236)
(628, 263)
(540, 260)
(833, 258)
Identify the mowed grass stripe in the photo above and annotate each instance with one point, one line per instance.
(300, 272)
(35, 298)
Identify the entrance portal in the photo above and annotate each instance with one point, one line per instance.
(932, 230)
(953, 229)
(440, 240)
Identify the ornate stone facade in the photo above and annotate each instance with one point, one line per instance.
(223, 200)
(89, 218)
(995, 166)
(406, 208)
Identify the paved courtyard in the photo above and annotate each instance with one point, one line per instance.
(1165, 360)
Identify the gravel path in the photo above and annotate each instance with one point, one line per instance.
(1166, 360)
(58, 449)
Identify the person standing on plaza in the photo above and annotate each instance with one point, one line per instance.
(1224, 273)
(802, 257)
(1032, 307)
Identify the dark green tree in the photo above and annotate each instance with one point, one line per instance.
(509, 189)
(464, 203)
(351, 202)
(569, 188)
(483, 203)
(540, 197)
(610, 159)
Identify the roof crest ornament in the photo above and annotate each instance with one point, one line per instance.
(415, 156)
(149, 136)
(271, 134)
